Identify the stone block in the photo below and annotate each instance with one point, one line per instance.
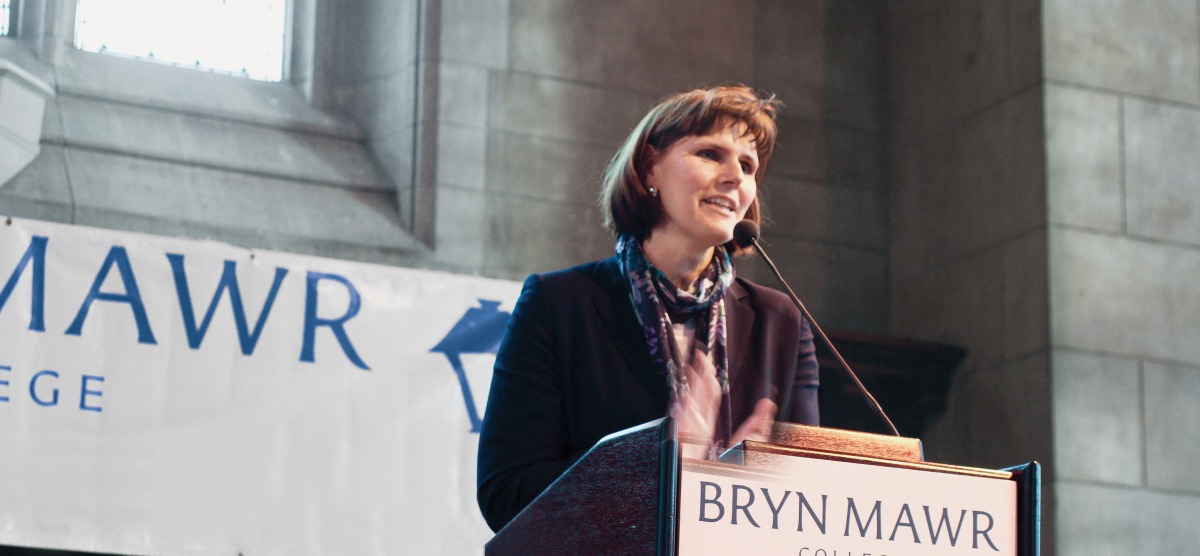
(52, 122)
(14, 156)
(113, 191)
(819, 212)
(1083, 158)
(947, 438)
(1125, 47)
(800, 150)
(41, 190)
(856, 288)
(529, 235)
(380, 105)
(23, 99)
(22, 103)
(22, 53)
(462, 157)
(549, 169)
(463, 95)
(655, 48)
(557, 109)
(1162, 198)
(790, 55)
(991, 185)
(948, 60)
(910, 73)
(854, 158)
(393, 151)
(374, 39)
(1172, 427)
(1011, 413)
(842, 286)
(1095, 520)
(475, 32)
(997, 416)
(897, 15)
(973, 187)
(1097, 418)
(1026, 294)
(961, 303)
(461, 226)
(1024, 43)
(211, 142)
(1123, 296)
(22, 207)
(909, 174)
(854, 38)
(968, 57)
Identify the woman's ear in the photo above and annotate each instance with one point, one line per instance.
(649, 158)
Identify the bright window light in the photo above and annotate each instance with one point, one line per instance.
(239, 37)
(5, 15)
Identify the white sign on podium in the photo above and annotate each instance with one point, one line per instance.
(822, 507)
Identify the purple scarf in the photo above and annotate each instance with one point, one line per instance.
(655, 298)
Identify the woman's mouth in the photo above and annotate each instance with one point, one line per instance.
(720, 203)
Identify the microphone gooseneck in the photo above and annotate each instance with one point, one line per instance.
(745, 234)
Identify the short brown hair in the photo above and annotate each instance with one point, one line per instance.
(627, 205)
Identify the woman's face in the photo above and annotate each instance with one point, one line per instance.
(706, 184)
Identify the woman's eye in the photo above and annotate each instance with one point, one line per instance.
(746, 168)
(709, 154)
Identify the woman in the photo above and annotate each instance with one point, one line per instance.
(663, 327)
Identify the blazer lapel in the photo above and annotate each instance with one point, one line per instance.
(616, 311)
(739, 323)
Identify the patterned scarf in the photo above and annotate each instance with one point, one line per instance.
(655, 298)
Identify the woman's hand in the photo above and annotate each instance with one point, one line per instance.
(758, 425)
(699, 408)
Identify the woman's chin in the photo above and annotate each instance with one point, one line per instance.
(712, 234)
(725, 233)
(718, 239)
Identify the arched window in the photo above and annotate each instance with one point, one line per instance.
(238, 37)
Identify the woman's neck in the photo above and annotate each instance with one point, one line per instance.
(681, 265)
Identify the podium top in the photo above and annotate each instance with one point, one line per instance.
(838, 441)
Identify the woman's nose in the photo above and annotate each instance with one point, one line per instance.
(731, 172)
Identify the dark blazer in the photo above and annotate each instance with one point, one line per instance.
(573, 367)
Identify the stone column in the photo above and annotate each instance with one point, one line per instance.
(1123, 189)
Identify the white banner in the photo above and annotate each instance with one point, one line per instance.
(169, 396)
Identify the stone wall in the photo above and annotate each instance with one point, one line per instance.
(1123, 190)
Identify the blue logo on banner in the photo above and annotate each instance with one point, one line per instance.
(478, 331)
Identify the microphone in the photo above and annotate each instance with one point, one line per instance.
(745, 234)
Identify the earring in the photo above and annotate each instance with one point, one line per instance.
(653, 192)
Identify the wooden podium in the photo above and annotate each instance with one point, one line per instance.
(633, 494)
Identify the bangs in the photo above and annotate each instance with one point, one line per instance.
(704, 112)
